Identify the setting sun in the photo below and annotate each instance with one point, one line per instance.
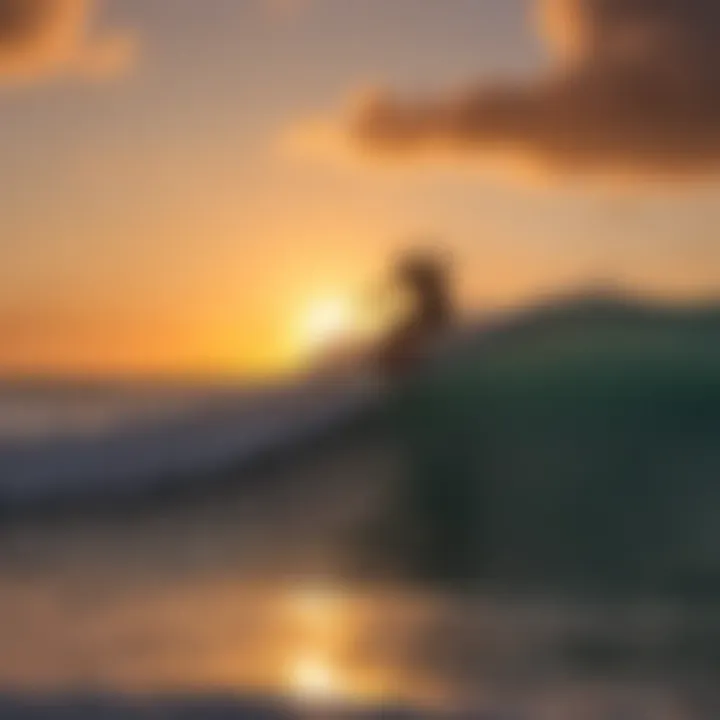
(327, 321)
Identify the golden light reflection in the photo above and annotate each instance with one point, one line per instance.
(320, 626)
(314, 679)
(315, 606)
(326, 624)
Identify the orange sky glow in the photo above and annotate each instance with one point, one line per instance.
(158, 217)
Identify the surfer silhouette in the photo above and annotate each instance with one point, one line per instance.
(423, 278)
(432, 528)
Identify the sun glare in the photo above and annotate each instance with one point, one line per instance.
(327, 321)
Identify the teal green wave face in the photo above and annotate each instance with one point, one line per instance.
(572, 451)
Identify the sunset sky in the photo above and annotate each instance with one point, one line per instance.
(182, 179)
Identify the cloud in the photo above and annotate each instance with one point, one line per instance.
(632, 89)
(44, 38)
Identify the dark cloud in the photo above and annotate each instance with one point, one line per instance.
(51, 37)
(633, 88)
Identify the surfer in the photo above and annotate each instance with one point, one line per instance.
(432, 530)
(423, 278)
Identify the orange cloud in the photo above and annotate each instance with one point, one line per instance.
(41, 38)
(632, 89)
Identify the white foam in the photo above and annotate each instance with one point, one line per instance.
(114, 446)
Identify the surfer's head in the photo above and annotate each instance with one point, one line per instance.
(421, 269)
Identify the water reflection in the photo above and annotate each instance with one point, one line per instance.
(324, 646)
(200, 600)
(313, 664)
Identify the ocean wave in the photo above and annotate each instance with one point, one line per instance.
(107, 446)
